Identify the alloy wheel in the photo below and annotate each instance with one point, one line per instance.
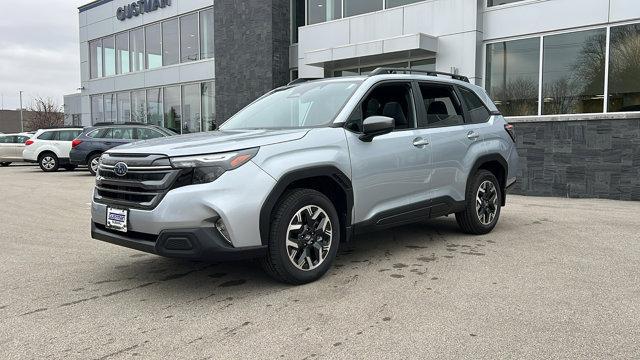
(486, 202)
(48, 162)
(94, 164)
(309, 237)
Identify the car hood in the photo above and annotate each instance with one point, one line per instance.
(209, 142)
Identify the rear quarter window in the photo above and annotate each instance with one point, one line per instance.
(478, 112)
(48, 135)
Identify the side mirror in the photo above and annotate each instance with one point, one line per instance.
(375, 126)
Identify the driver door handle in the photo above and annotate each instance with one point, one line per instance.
(472, 135)
(420, 142)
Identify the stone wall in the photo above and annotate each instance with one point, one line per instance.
(251, 51)
(594, 158)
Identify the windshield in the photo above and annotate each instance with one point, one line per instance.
(306, 105)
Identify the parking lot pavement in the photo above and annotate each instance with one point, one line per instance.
(557, 278)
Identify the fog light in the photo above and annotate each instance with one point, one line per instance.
(222, 229)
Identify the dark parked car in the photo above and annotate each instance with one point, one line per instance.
(89, 146)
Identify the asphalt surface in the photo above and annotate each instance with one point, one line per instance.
(557, 278)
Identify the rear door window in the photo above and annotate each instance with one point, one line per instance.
(122, 133)
(441, 105)
(478, 112)
(146, 134)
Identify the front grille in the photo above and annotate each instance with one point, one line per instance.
(148, 179)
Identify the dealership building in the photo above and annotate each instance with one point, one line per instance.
(566, 72)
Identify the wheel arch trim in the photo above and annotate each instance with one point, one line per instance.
(332, 172)
(484, 159)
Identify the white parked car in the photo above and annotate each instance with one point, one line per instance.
(11, 146)
(50, 148)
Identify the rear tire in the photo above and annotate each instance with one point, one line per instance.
(304, 237)
(92, 163)
(483, 203)
(5, 164)
(49, 162)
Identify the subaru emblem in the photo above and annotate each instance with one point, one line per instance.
(120, 169)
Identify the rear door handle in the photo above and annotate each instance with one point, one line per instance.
(472, 135)
(420, 142)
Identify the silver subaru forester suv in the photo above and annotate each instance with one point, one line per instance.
(308, 166)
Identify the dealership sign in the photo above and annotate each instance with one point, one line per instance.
(140, 7)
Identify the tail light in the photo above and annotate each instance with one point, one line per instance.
(75, 143)
(28, 142)
(511, 131)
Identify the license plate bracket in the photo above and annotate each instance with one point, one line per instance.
(117, 219)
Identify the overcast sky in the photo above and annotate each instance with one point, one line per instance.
(39, 49)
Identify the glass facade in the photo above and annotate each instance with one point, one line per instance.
(395, 3)
(573, 72)
(170, 42)
(324, 10)
(624, 68)
(185, 108)
(153, 46)
(512, 76)
(500, 2)
(182, 39)
(189, 46)
(206, 34)
(357, 7)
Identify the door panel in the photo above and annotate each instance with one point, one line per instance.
(388, 172)
(6, 148)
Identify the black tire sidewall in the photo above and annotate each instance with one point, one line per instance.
(5, 163)
(89, 163)
(479, 179)
(279, 236)
(55, 158)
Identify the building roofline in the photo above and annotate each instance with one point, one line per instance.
(93, 4)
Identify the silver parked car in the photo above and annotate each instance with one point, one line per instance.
(309, 165)
(11, 147)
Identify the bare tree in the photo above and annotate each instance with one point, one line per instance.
(44, 113)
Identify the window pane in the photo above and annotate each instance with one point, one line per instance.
(136, 38)
(298, 18)
(170, 42)
(109, 44)
(95, 56)
(624, 68)
(154, 107)
(172, 111)
(153, 37)
(189, 38)
(500, 2)
(124, 107)
(324, 10)
(208, 106)
(97, 112)
(206, 34)
(441, 106)
(122, 53)
(513, 69)
(110, 108)
(573, 72)
(146, 134)
(138, 106)
(394, 3)
(191, 108)
(356, 7)
(424, 65)
(478, 112)
(123, 133)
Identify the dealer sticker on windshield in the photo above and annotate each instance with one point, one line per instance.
(117, 219)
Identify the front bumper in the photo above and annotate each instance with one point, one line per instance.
(204, 244)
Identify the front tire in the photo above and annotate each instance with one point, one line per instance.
(93, 162)
(49, 162)
(304, 237)
(5, 164)
(483, 203)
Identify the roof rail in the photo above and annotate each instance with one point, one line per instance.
(103, 124)
(383, 70)
(301, 81)
(61, 127)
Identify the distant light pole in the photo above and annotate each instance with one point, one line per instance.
(21, 118)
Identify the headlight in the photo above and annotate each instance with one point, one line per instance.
(207, 168)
